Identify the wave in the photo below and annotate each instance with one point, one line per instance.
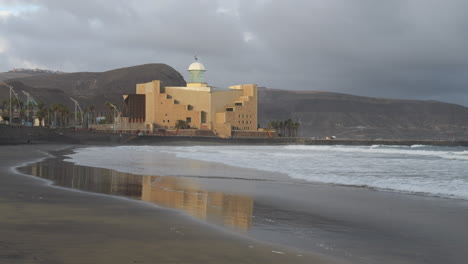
(438, 171)
(418, 150)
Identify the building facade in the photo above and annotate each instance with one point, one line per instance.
(197, 105)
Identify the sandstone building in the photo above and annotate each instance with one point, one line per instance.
(199, 105)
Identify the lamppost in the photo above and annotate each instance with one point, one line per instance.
(30, 100)
(116, 113)
(11, 90)
(77, 107)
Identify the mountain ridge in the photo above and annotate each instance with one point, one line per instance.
(94, 88)
(320, 113)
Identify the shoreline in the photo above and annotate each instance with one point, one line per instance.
(45, 224)
(39, 135)
(408, 225)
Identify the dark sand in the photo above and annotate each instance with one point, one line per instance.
(44, 224)
(358, 225)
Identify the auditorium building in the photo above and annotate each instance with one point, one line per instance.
(198, 105)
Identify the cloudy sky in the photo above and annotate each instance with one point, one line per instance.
(410, 49)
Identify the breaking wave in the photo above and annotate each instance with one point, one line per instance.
(437, 171)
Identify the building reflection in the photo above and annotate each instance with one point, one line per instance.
(185, 194)
(181, 193)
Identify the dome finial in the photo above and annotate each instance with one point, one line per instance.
(196, 71)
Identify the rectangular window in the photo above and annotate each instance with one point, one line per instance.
(229, 109)
(238, 104)
(203, 117)
(188, 119)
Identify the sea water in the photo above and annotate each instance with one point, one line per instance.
(418, 169)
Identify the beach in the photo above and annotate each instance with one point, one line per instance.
(45, 224)
(202, 212)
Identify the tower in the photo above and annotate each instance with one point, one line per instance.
(196, 74)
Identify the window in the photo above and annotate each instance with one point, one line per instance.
(164, 121)
(238, 104)
(188, 119)
(203, 117)
(229, 109)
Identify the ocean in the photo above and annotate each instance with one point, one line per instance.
(417, 169)
(362, 204)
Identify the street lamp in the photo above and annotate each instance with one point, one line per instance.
(11, 90)
(77, 107)
(116, 113)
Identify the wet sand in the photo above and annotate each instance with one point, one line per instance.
(356, 225)
(40, 223)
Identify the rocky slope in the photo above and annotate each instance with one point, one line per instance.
(346, 116)
(21, 74)
(94, 88)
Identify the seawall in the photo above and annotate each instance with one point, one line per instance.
(38, 135)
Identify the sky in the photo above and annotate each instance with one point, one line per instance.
(406, 49)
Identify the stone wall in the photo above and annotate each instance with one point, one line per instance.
(251, 134)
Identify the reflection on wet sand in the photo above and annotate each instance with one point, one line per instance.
(184, 194)
(174, 192)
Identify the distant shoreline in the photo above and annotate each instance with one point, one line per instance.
(38, 135)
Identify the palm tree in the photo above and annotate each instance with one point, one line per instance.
(296, 128)
(4, 109)
(110, 114)
(181, 124)
(55, 109)
(281, 127)
(65, 113)
(275, 125)
(40, 114)
(288, 127)
(62, 112)
(22, 114)
(91, 109)
(4, 105)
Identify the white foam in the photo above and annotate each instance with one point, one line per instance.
(440, 171)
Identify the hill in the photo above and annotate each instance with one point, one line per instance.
(94, 88)
(320, 113)
(347, 116)
(21, 73)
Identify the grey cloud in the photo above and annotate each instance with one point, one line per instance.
(403, 49)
